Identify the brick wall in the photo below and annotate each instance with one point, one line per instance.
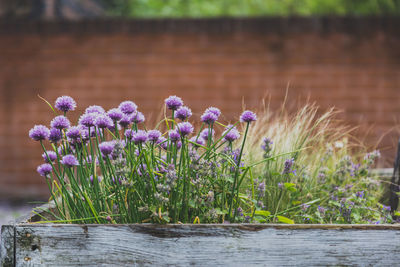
(350, 63)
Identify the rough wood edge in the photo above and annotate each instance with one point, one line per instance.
(7, 246)
(246, 227)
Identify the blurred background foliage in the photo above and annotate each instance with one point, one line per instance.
(248, 8)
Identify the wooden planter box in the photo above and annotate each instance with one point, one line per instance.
(28, 244)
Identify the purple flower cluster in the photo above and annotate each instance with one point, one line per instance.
(95, 109)
(60, 122)
(87, 119)
(138, 117)
(115, 114)
(39, 133)
(65, 103)
(231, 133)
(288, 166)
(183, 113)
(153, 135)
(55, 135)
(106, 148)
(49, 156)
(103, 121)
(185, 128)
(128, 107)
(173, 102)
(44, 169)
(69, 161)
(139, 137)
(248, 116)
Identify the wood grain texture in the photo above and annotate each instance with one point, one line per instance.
(7, 246)
(206, 245)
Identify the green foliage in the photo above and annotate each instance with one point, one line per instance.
(248, 8)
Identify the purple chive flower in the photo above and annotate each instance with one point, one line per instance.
(60, 122)
(288, 166)
(107, 148)
(69, 160)
(205, 134)
(139, 137)
(197, 140)
(103, 121)
(138, 117)
(162, 141)
(115, 114)
(95, 109)
(178, 145)
(44, 169)
(231, 133)
(39, 133)
(65, 103)
(74, 132)
(208, 117)
(154, 135)
(248, 116)
(184, 128)
(173, 102)
(174, 135)
(125, 121)
(128, 107)
(52, 156)
(55, 135)
(214, 111)
(87, 119)
(129, 134)
(183, 113)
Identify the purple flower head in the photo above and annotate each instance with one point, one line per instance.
(65, 103)
(60, 122)
(39, 133)
(208, 117)
(205, 134)
(197, 140)
(173, 102)
(214, 111)
(115, 114)
(55, 135)
(52, 156)
(107, 148)
(288, 166)
(87, 119)
(184, 128)
(183, 113)
(111, 127)
(129, 134)
(248, 116)
(95, 109)
(128, 107)
(231, 133)
(103, 121)
(261, 187)
(139, 137)
(69, 160)
(44, 169)
(162, 141)
(138, 117)
(74, 132)
(125, 121)
(154, 135)
(174, 135)
(386, 208)
(280, 185)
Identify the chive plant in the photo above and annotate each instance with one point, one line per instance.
(109, 169)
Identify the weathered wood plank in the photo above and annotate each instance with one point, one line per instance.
(7, 246)
(205, 245)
